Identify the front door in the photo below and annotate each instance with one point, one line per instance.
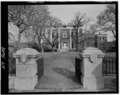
(65, 45)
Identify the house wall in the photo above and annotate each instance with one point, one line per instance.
(91, 40)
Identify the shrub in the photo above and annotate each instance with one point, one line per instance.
(47, 48)
(34, 46)
(111, 49)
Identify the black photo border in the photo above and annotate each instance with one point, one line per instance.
(4, 43)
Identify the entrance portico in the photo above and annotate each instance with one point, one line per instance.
(65, 45)
(65, 38)
(65, 35)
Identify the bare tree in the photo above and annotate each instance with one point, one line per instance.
(79, 21)
(38, 20)
(93, 28)
(53, 22)
(17, 15)
(106, 19)
(29, 16)
(54, 41)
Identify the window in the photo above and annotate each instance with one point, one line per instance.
(55, 35)
(64, 35)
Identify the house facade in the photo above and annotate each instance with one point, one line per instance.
(65, 37)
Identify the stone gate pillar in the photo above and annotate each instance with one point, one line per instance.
(59, 38)
(26, 69)
(92, 68)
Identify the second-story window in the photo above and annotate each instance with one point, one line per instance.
(64, 35)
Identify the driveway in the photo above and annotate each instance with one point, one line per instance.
(59, 72)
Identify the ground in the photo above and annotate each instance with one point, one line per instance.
(59, 74)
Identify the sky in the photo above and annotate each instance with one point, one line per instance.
(66, 12)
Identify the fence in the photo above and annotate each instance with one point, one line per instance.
(109, 65)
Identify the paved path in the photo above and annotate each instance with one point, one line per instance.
(59, 72)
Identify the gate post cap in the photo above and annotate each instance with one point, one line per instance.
(92, 51)
(27, 52)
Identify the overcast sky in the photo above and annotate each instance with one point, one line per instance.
(66, 12)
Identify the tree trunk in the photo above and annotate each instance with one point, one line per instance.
(114, 34)
(77, 39)
(41, 46)
(52, 46)
(18, 40)
(114, 37)
(42, 50)
(52, 49)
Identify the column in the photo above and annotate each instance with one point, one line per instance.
(51, 34)
(58, 38)
(70, 40)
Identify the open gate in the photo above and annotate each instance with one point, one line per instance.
(40, 67)
(78, 68)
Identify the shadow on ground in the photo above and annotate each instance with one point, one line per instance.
(67, 73)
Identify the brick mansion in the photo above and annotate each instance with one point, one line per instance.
(66, 38)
